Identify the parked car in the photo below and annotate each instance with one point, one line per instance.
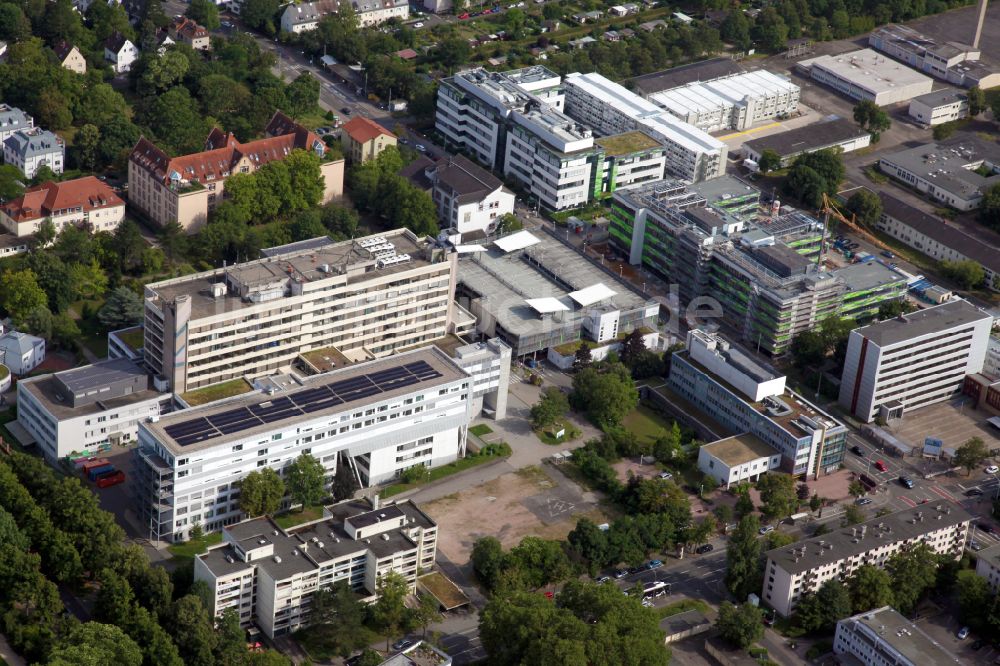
(858, 451)
(402, 644)
(620, 573)
(881, 466)
(603, 579)
(992, 469)
(973, 492)
(648, 603)
(984, 527)
(906, 482)
(963, 633)
(705, 548)
(421, 148)
(978, 644)
(653, 564)
(863, 501)
(109, 479)
(666, 475)
(888, 255)
(346, 110)
(975, 545)
(767, 529)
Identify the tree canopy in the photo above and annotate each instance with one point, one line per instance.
(605, 393)
(261, 492)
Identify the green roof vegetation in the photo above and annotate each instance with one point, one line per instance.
(4, 371)
(132, 337)
(216, 392)
(627, 143)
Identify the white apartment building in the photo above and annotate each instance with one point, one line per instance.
(468, 197)
(82, 202)
(866, 74)
(736, 459)
(939, 107)
(268, 575)
(733, 102)
(883, 637)
(367, 297)
(901, 364)
(988, 565)
(30, 150)
(13, 119)
(379, 418)
(611, 108)
(514, 123)
(802, 567)
(302, 17)
(83, 410)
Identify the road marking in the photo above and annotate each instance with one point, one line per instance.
(907, 500)
(683, 572)
(941, 492)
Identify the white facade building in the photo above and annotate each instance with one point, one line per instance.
(956, 172)
(736, 459)
(939, 107)
(883, 637)
(731, 102)
(79, 411)
(716, 355)
(21, 352)
(901, 364)
(121, 53)
(468, 197)
(268, 575)
(802, 567)
(30, 150)
(988, 565)
(13, 119)
(367, 297)
(82, 202)
(866, 74)
(954, 62)
(379, 418)
(302, 17)
(611, 108)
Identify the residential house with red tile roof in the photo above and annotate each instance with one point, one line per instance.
(186, 31)
(184, 189)
(364, 139)
(82, 202)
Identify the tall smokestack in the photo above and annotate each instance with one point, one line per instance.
(979, 24)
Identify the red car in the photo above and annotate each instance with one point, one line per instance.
(881, 466)
(111, 479)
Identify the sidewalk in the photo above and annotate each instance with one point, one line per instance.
(8, 654)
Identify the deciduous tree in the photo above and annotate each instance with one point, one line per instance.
(740, 625)
(870, 587)
(261, 492)
(306, 480)
(743, 558)
(551, 406)
(971, 454)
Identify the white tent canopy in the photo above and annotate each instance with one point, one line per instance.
(592, 294)
(516, 241)
(546, 305)
(463, 249)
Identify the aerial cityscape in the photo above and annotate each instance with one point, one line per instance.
(522, 333)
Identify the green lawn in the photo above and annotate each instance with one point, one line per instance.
(646, 423)
(133, 337)
(465, 463)
(192, 547)
(216, 392)
(548, 436)
(296, 517)
(480, 430)
(682, 606)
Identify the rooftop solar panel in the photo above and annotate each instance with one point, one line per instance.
(349, 384)
(232, 416)
(305, 397)
(278, 403)
(362, 393)
(278, 416)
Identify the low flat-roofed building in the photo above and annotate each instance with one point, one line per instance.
(954, 62)
(268, 574)
(988, 565)
(739, 458)
(88, 409)
(867, 75)
(421, 653)
(839, 133)
(804, 566)
(940, 239)
(533, 292)
(680, 626)
(378, 418)
(895, 366)
(883, 636)
(939, 107)
(949, 172)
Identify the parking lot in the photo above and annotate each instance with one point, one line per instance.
(952, 422)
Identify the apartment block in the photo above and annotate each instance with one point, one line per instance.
(988, 565)
(802, 567)
(302, 17)
(13, 119)
(901, 364)
(367, 297)
(379, 418)
(83, 202)
(744, 396)
(364, 139)
(610, 108)
(31, 149)
(736, 102)
(88, 409)
(269, 575)
(883, 636)
(185, 189)
(760, 269)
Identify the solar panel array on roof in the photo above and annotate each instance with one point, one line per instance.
(300, 403)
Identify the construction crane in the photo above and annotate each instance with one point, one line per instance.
(829, 209)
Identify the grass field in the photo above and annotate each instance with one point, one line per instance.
(682, 606)
(216, 392)
(646, 424)
(547, 435)
(297, 517)
(480, 430)
(445, 470)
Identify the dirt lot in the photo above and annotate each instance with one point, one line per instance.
(529, 502)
